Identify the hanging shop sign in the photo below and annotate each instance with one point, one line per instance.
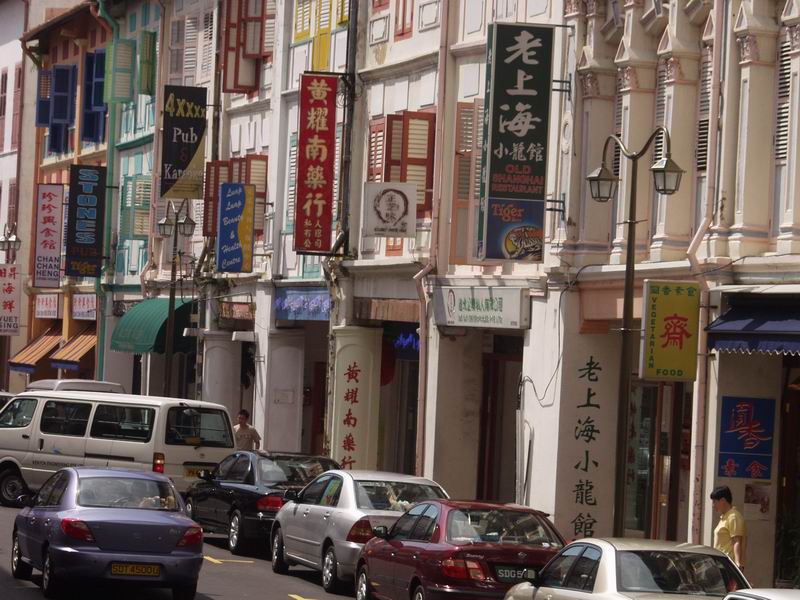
(302, 304)
(10, 299)
(516, 126)
(671, 316)
(184, 142)
(87, 201)
(316, 152)
(235, 222)
(492, 307)
(48, 306)
(84, 307)
(747, 429)
(390, 209)
(239, 311)
(49, 223)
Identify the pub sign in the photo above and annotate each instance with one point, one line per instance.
(85, 218)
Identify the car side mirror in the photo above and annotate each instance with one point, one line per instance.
(27, 500)
(205, 474)
(381, 531)
(532, 577)
(291, 495)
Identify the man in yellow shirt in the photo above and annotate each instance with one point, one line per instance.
(730, 533)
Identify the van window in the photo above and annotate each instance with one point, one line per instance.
(125, 423)
(188, 426)
(65, 418)
(19, 413)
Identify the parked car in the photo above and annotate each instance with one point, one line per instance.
(457, 549)
(242, 495)
(765, 594)
(107, 524)
(44, 431)
(325, 525)
(626, 568)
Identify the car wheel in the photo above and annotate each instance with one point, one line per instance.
(184, 592)
(189, 508)
(363, 590)
(279, 564)
(235, 531)
(51, 586)
(419, 593)
(330, 571)
(12, 486)
(19, 568)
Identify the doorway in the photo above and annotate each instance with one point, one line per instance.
(787, 538)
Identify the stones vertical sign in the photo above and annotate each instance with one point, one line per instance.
(87, 202)
(183, 142)
(516, 127)
(49, 224)
(316, 162)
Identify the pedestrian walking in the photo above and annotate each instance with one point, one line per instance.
(247, 437)
(731, 531)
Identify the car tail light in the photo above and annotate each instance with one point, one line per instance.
(361, 532)
(271, 503)
(158, 462)
(191, 537)
(463, 569)
(77, 530)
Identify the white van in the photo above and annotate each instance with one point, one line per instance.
(82, 385)
(43, 431)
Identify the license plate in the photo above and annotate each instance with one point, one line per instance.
(134, 570)
(191, 471)
(508, 574)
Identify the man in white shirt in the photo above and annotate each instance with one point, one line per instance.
(247, 437)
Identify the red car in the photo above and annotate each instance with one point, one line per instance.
(456, 550)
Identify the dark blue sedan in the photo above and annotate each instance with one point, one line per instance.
(108, 524)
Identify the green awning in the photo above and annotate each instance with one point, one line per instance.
(143, 328)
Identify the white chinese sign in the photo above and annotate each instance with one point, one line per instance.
(492, 307)
(390, 209)
(49, 220)
(84, 307)
(48, 306)
(10, 299)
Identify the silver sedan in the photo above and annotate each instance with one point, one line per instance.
(620, 569)
(326, 524)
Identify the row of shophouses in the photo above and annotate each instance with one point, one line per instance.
(389, 355)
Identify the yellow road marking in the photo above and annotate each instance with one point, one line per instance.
(212, 559)
(247, 562)
(296, 597)
(219, 561)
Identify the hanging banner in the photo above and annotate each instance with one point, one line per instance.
(516, 127)
(184, 142)
(236, 223)
(390, 209)
(10, 299)
(49, 222)
(671, 316)
(87, 201)
(316, 152)
(48, 306)
(84, 307)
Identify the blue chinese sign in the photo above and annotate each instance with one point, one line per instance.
(746, 435)
(236, 222)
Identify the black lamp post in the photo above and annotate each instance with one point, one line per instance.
(603, 186)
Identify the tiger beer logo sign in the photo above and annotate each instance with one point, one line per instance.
(184, 142)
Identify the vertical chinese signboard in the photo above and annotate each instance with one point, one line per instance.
(747, 431)
(316, 144)
(84, 307)
(87, 202)
(669, 347)
(183, 142)
(49, 223)
(236, 220)
(10, 299)
(516, 127)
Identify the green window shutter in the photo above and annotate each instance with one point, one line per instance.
(142, 192)
(125, 209)
(120, 62)
(147, 63)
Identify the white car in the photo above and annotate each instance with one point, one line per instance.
(765, 594)
(620, 569)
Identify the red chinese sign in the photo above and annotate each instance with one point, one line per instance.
(316, 152)
(49, 224)
(10, 299)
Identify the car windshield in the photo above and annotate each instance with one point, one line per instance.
(127, 492)
(398, 496)
(292, 469)
(502, 526)
(667, 572)
(188, 426)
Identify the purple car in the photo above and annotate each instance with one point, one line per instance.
(111, 525)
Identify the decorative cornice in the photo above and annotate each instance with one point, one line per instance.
(589, 84)
(674, 69)
(630, 79)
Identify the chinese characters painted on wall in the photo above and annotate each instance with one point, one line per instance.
(746, 437)
(316, 145)
(348, 445)
(49, 223)
(10, 299)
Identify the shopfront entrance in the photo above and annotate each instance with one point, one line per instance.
(787, 539)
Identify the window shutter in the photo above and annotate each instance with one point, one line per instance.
(88, 121)
(291, 187)
(13, 201)
(119, 71)
(206, 65)
(377, 137)
(253, 23)
(302, 20)
(63, 94)
(147, 62)
(217, 173)
(782, 109)
(15, 124)
(321, 51)
(477, 153)
(337, 169)
(240, 74)
(142, 194)
(43, 91)
(3, 99)
(126, 208)
(57, 142)
(661, 106)
(404, 16)
(463, 181)
(703, 106)
(98, 79)
(238, 172)
(176, 40)
(257, 175)
(617, 122)
(270, 14)
(343, 14)
(417, 156)
(190, 51)
(393, 152)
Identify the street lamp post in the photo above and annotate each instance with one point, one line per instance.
(602, 185)
(167, 227)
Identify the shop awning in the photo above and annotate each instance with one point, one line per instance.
(143, 328)
(26, 359)
(763, 329)
(70, 354)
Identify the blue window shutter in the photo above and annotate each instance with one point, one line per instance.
(60, 108)
(98, 81)
(43, 90)
(73, 93)
(58, 139)
(87, 81)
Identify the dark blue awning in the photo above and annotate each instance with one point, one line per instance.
(762, 329)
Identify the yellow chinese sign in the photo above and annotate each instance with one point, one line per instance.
(670, 319)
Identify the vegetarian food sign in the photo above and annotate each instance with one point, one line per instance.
(184, 142)
(87, 201)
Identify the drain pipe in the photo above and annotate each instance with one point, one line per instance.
(419, 278)
(701, 389)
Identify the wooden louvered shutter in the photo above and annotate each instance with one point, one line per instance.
(617, 122)
(43, 91)
(782, 108)
(126, 209)
(253, 23)
(417, 156)
(462, 181)
(147, 62)
(291, 187)
(257, 175)
(343, 13)
(703, 108)
(142, 194)
(270, 14)
(393, 151)
(13, 202)
(661, 106)
(190, 50)
(337, 170)
(119, 65)
(217, 173)
(377, 137)
(176, 38)
(17, 106)
(205, 63)
(321, 50)
(302, 20)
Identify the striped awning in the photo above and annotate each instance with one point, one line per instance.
(70, 354)
(26, 359)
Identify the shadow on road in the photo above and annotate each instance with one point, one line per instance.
(76, 591)
(254, 550)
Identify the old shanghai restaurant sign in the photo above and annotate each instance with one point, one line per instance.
(313, 218)
(670, 316)
(516, 125)
(184, 142)
(87, 201)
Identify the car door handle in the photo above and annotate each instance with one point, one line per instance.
(415, 556)
(41, 444)
(305, 514)
(25, 436)
(326, 515)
